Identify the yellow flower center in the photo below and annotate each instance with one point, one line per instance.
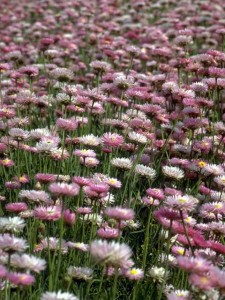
(204, 280)
(182, 200)
(219, 205)
(6, 161)
(112, 181)
(188, 219)
(181, 251)
(133, 272)
(201, 164)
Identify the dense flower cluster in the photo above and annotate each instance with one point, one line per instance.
(112, 149)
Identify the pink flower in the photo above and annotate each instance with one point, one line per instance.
(16, 207)
(81, 181)
(20, 278)
(64, 189)
(3, 271)
(108, 233)
(10, 243)
(185, 202)
(6, 162)
(49, 213)
(67, 124)
(134, 274)
(85, 153)
(120, 213)
(99, 190)
(155, 193)
(69, 217)
(89, 161)
(84, 210)
(112, 139)
(203, 282)
(113, 182)
(111, 254)
(12, 185)
(194, 264)
(45, 178)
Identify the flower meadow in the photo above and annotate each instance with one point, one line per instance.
(112, 150)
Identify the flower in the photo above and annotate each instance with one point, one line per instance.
(49, 213)
(67, 124)
(64, 189)
(3, 271)
(137, 137)
(158, 274)
(194, 264)
(30, 71)
(173, 172)
(80, 273)
(145, 171)
(6, 162)
(90, 140)
(96, 190)
(29, 262)
(119, 213)
(108, 233)
(12, 224)
(85, 153)
(100, 66)
(89, 161)
(123, 82)
(123, 163)
(20, 278)
(134, 274)
(45, 177)
(112, 139)
(220, 180)
(19, 134)
(184, 202)
(203, 282)
(69, 217)
(61, 74)
(58, 296)
(53, 244)
(111, 254)
(10, 243)
(113, 182)
(79, 246)
(179, 295)
(34, 196)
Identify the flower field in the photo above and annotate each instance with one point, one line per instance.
(112, 150)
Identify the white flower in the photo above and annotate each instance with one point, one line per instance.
(220, 180)
(30, 262)
(58, 296)
(80, 273)
(173, 172)
(137, 137)
(145, 171)
(14, 224)
(123, 163)
(111, 253)
(123, 82)
(214, 169)
(46, 147)
(39, 133)
(93, 218)
(90, 139)
(158, 274)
